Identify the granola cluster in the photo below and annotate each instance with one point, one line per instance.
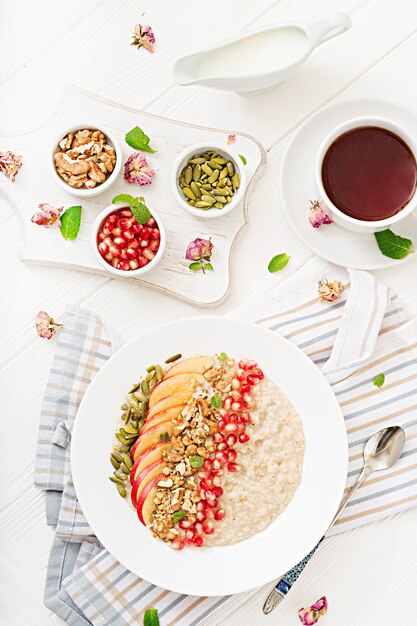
(192, 436)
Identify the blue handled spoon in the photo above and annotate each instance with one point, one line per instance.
(381, 451)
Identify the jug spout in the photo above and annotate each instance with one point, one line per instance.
(185, 70)
(321, 31)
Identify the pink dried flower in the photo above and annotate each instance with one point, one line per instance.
(46, 327)
(48, 216)
(311, 616)
(231, 139)
(199, 249)
(137, 170)
(143, 37)
(10, 164)
(318, 215)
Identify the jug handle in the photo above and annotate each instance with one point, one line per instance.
(329, 27)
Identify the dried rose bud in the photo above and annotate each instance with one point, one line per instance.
(10, 164)
(137, 170)
(199, 249)
(143, 37)
(48, 216)
(318, 215)
(314, 612)
(46, 327)
(231, 139)
(329, 291)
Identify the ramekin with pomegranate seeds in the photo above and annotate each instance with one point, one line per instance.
(123, 246)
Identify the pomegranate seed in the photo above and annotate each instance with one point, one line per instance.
(205, 484)
(144, 243)
(207, 465)
(241, 374)
(211, 504)
(146, 233)
(259, 373)
(218, 437)
(247, 399)
(219, 514)
(210, 495)
(232, 455)
(109, 257)
(113, 218)
(106, 230)
(142, 261)
(233, 467)
(178, 544)
(221, 447)
(136, 227)
(201, 505)
(123, 265)
(217, 464)
(244, 438)
(208, 527)
(216, 472)
(252, 380)
(134, 244)
(126, 213)
(101, 236)
(119, 241)
(116, 231)
(231, 440)
(222, 457)
(198, 526)
(245, 417)
(235, 383)
(203, 473)
(236, 406)
(132, 253)
(233, 419)
(223, 413)
(240, 429)
(115, 262)
(133, 264)
(108, 241)
(187, 541)
(200, 516)
(148, 254)
(128, 234)
(154, 246)
(251, 364)
(230, 428)
(243, 363)
(198, 541)
(245, 388)
(221, 424)
(218, 491)
(209, 513)
(114, 250)
(189, 534)
(228, 402)
(123, 254)
(155, 234)
(235, 395)
(185, 524)
(217, 481)
(103, 248)
(151, 222)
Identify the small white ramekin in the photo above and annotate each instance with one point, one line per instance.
(351, 223)
(130, 273)
(180, 162)
(85, 193)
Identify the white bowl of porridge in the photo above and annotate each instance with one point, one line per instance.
(219, 450)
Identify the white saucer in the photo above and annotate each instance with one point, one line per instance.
(297, 187)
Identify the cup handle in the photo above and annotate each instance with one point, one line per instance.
(329, 27)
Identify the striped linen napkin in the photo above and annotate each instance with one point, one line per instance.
(360, 335)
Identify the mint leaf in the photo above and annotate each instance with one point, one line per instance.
(196, 460)
(138, 140)
(216, 402)
(124, 198)
(222, 356)
(208, 266)
(278, 262)
(243, 159)
(195, 266)
(379, 380)
(151, 618)
(178, 516)
(392, 245)
(70, 222)
(140, 210)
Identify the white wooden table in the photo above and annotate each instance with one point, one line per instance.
(369, 575)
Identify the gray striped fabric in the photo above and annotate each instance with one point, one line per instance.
(352, 340)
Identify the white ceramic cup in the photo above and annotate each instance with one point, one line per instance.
(351, 223)
(95, 191)
(113, 270)
(181, 161)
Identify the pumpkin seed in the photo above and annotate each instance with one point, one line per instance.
(121, 490)
(149, 376)
(228, 199)
(214, 165)
(218, 205)
(224, 173)
(116, 464)
(130, 429)
(132, 400)
(127, 461)
(197, 172)
(230, 168)
(150, 368)
(207, 169)
(124, 468)
(221, 192)
(159, 373)
(171, 359)
(221, 199)
(134, 388)
(120, 438)
(196, 161)
(236, 180)
(187, 191)
(145, 387)
(120, 474)
(124, 407)
(203, 205)
(214, 177)
(206, 187)
(219, 160)
(188, 174)
(195, 189)
(124, 448)
(182, 181)
(140, 397)
(140, 424)
(118, 481)
(208, 199)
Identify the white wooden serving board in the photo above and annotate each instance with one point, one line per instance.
(34, 184)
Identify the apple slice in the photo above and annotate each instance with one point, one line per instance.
(146, 458)
(150, 471)
(177, 384)
(151, 437)
(166, 403)
(194, 365)
(162, 416)
(146, 504)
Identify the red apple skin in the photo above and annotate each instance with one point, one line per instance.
(193, 365)
(170, 386)
(132, 451)
(146, 491)
(143, 478)
(163, 416)
(158, 446)
(151, 437)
